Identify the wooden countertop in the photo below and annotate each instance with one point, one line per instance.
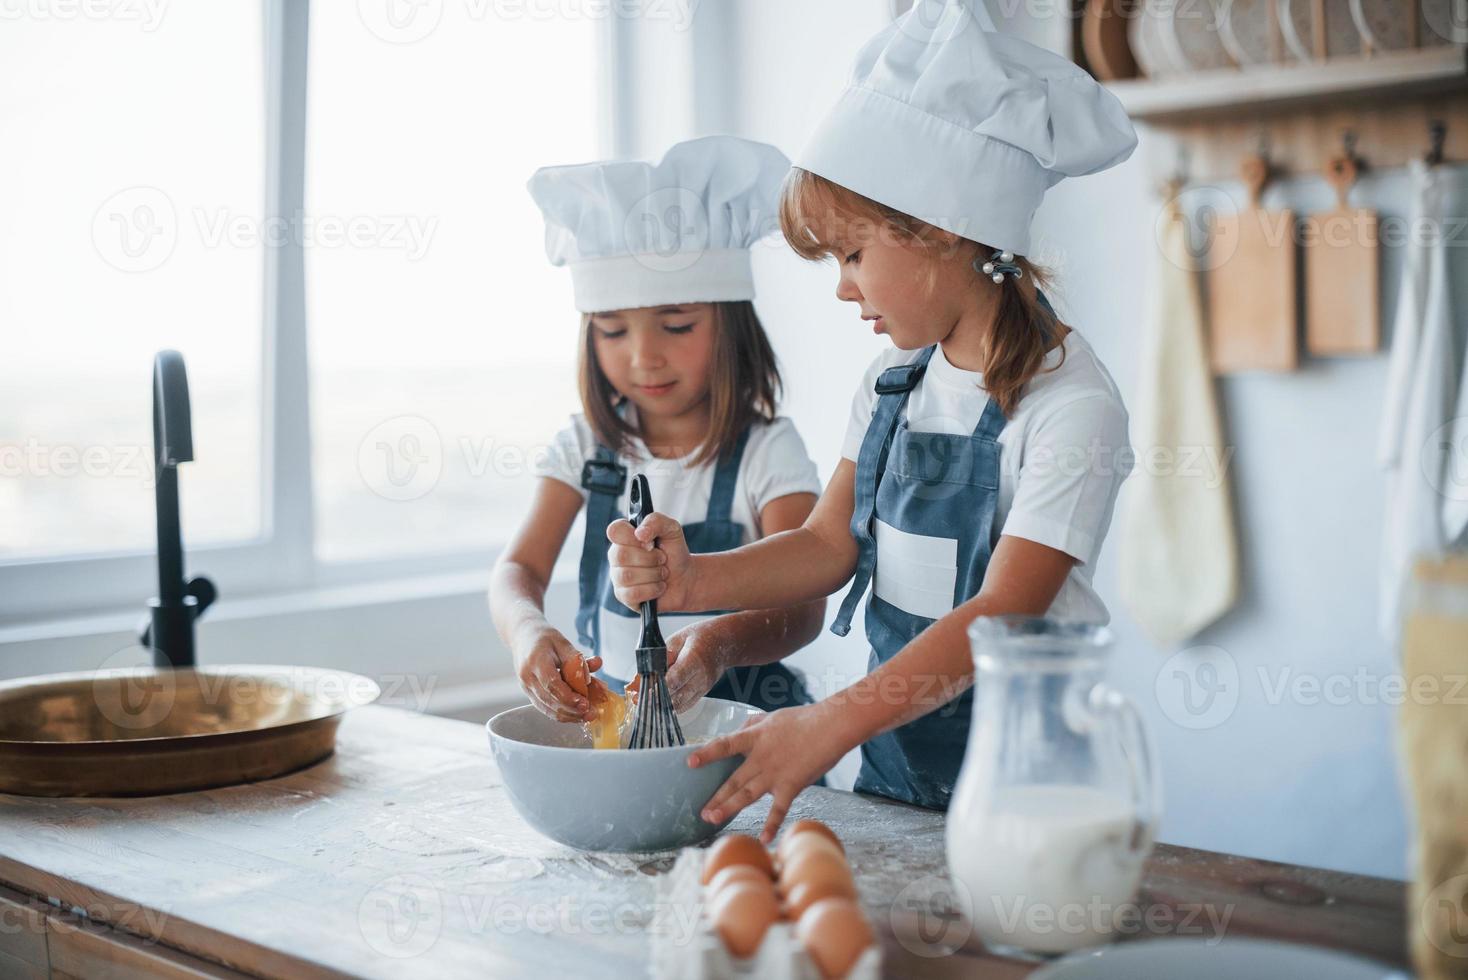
(401, 857)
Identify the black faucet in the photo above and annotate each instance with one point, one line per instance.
(170, 630)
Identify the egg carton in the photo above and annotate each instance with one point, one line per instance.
(685, 945)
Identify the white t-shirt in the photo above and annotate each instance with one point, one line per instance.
(775, 465)
(1063, 456)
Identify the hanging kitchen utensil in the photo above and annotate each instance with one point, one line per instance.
(1251, 294)
(1342, 262)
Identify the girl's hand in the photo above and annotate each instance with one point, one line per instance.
(695, 663)
(643, 571)
(784, 752)
(538, 663)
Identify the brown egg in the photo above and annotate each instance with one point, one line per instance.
(573, 672)
(834, 934)
(792, 844)
(736, 874)
(815, 827)
(742, 914)
(814, 866)
(736, 849)
(807, 893)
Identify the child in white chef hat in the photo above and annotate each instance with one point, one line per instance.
(984, 451)
(678, 382)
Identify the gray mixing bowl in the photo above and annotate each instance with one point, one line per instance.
(608, 799)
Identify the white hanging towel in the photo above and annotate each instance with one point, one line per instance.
(1407, 325)
(1178, 552)
(1413, 519)
(1454, 447)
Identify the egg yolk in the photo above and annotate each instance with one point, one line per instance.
(611, 710)
(611, 714)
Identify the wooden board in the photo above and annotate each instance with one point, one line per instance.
(305, 875)
(1252, 322)
(1251, 293)
(1342, 286)
(1342, 273)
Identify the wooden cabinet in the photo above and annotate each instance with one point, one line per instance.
(39, 942)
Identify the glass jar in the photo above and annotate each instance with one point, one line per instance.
(1057, 801)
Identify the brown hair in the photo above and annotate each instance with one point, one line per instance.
(813, 212)
(744, 384)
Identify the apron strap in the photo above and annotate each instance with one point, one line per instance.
(991, 423)
(604, 479)
(726, 475)
(893, 387)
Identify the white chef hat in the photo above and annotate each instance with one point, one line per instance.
(678, 231)
(963, 127)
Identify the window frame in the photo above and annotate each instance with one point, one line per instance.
(282, 558)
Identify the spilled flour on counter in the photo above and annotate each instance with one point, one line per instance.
(482, 837)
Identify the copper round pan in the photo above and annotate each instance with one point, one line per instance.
(142, 731)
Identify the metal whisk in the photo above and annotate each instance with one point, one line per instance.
(654, 726)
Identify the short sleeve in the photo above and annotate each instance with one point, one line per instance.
(779, 466)
(1074, 461)
(567, 453)
(863, 402)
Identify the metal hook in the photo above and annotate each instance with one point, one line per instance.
(1437, 131)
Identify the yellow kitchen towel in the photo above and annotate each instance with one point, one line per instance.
(1178, 552)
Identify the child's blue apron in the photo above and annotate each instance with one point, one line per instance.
(766, 686)
(939, 486)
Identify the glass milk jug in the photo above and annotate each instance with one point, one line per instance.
(1056, 803)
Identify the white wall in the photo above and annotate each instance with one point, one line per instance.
(1309, 783)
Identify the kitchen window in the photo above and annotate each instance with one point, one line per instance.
(350, 265)
(442, 344)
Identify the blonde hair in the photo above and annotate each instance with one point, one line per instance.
(744, 384)
(813, 210)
